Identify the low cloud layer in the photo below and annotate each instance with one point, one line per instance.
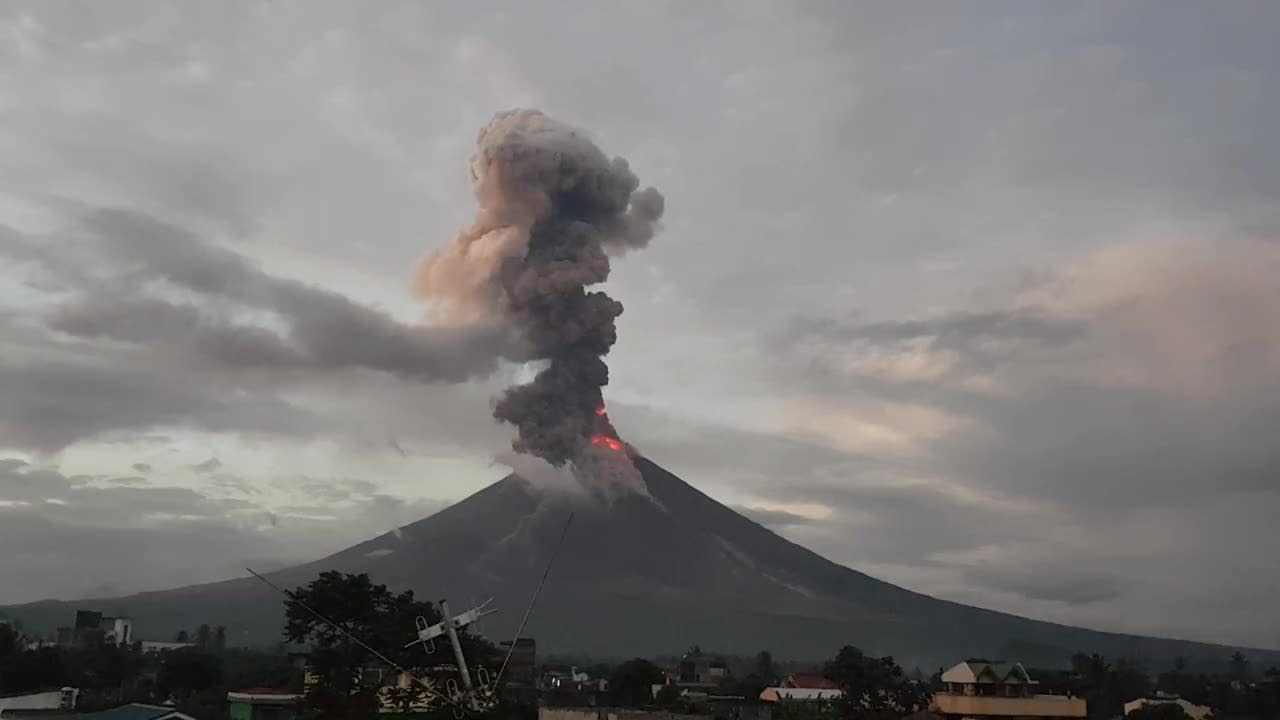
(83, 536)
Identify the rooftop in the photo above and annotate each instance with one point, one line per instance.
(982, 672)
(137, 711)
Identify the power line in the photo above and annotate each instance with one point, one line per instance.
(529, 610)
(426, 685)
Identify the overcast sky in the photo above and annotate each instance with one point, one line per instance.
(977, 297)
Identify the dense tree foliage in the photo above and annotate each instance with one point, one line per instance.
(346, 683)
(1164, 711)
(873, 688)
(632, 682)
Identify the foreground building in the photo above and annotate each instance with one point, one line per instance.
(263, 704)
(1193, 711)
(137, 711)
(978, 690)
(45, 702)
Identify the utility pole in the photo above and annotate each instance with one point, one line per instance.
(477, 700)
(451, 629)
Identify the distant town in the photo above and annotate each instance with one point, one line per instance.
(342, 657)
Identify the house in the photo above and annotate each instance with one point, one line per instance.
(137, 711)
(263, 704)
(1193, 711)
(982, 689)
(570, 688)
(90, 623)
(696, 669)
(812, 682)
(776, 694)
(159, 646)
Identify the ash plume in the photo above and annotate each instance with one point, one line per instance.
(552, 209)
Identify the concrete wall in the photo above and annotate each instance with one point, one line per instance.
(51, 700)
(1036, 706)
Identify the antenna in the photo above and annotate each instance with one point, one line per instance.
(427, 685)
(476, 699)
(468, 696)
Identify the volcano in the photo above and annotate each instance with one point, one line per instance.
(640, 576)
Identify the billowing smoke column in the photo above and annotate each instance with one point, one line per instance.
(552, 208)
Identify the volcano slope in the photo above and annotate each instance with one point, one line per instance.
(640, 576)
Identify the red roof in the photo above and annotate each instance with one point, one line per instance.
(812, 682)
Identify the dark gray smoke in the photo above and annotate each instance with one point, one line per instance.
(313, 328)
(552, 205)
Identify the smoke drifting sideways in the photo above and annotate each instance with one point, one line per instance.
(552, 208)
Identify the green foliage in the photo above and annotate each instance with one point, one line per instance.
(1106, 687)
(380, 619)
(188, 671)
(805, 710)
(748, 687)
(246, 669)
(8, 641)
(668, 696)
(874, 688)
(1239, 667)
(632, 682)
(764, 668)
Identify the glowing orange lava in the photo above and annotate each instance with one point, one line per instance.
(605, 441)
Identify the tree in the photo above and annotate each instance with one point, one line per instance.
(668, 696)
(632, 682)
(187, 671)
(805, 710)
(1239, 666)
(873, 688)
(380, 619)
(764, 667)
(8, 640)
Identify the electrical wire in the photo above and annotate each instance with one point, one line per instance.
(426, 685)
(529, 610)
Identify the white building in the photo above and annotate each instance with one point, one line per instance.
(775, 694)
(980, 689)
(1193, 711)
(155, 646)
(117, 631)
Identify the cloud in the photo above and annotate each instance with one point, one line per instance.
(1067, 587)
(208, 466)
(774, 519)
(48, 405)
(174, 535)
(141, 467)
(323, 329)
(1131, 381)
